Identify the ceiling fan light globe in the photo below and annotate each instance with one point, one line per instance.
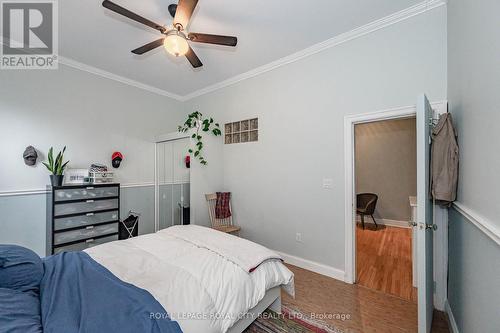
(176, 44)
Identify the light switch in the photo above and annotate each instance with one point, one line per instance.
(327, 183)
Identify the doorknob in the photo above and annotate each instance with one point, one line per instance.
(431, 226)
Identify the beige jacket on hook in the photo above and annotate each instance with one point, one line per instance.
(444, 161)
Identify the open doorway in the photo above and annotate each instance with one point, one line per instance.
(385, 176)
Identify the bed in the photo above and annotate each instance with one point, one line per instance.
(200, 280)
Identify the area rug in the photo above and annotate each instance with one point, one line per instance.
(289, 321)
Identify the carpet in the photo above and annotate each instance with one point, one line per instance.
(289, 321)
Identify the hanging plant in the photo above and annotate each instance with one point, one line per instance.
(196, 121)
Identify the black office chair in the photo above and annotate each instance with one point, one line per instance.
(365, 205)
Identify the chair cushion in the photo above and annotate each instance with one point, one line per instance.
(20, 269)
(19, 312)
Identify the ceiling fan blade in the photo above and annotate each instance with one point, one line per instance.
(131, 15)
(193, 58)
(184, 11)
(213, 39)
(148, 47)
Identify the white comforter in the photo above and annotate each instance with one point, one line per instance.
(203, 289)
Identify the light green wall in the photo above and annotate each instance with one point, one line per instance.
(22, 221)
(474, 101)
(23, 217)
(474, 277)
(277, 182)
(91, 115)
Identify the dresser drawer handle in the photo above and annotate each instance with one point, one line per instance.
(90, 214)
(89, 201)
(90, 188)
(89, 240)
(90, 227)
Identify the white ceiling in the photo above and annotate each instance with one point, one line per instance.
(267, 30)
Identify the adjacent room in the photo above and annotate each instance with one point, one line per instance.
(386, 185)
(196, 166)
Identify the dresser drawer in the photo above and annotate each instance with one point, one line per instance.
(84, 220)
(85, 244)
(89, 192)
(84, 206)
(88, 232)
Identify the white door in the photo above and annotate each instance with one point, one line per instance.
(172, 180)
(424, 216)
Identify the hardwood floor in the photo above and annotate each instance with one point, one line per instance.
(369, 310)
(383, 260)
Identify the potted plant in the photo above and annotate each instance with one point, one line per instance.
(56, 166)
(195, 120)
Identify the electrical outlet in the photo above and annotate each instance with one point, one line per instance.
(298, 237)
(327, 183)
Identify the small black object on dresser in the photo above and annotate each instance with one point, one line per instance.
(81, 216)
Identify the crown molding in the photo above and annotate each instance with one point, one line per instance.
(100, 72)
(384, 22)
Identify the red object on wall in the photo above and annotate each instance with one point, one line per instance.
(187, 160)
(116, 159)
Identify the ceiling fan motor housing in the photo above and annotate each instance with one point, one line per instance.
(174, 40)
(172, 9)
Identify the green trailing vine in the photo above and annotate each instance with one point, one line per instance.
(196, 121)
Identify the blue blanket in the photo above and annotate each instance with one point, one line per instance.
(79, 295)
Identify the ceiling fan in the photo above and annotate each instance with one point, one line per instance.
(175, 39)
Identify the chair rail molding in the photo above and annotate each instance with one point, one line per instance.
(482, 223)
(37, 191)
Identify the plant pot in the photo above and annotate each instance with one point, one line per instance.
(56, 180)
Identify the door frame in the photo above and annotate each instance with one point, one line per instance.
(441, 236)
(161, 139)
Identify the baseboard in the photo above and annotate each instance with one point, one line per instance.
(387, 222)
(313, 266)
(451, 319)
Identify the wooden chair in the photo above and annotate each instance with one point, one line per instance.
(365, 205)
(224, 225)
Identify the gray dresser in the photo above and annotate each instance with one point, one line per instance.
(82, 216)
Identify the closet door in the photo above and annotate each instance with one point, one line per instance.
(180, 179)
(165, 180)
(173, 182)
